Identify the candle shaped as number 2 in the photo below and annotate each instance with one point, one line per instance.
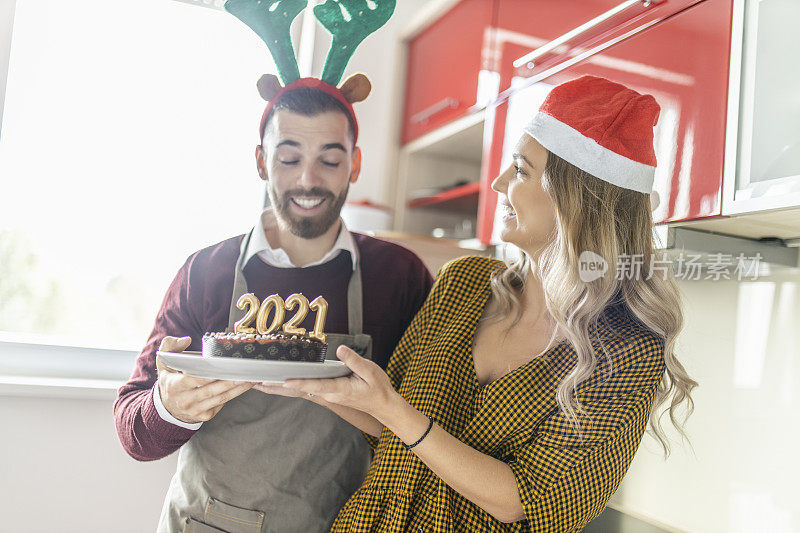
(301, 302)
(250, 301)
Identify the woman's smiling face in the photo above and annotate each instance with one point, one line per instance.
(529, 214)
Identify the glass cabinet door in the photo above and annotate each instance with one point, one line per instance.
(768, 165)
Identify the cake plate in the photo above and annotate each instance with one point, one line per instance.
(235, 369)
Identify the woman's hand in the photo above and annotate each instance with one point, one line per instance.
(354, 398)
(367, 389)
(279, 390)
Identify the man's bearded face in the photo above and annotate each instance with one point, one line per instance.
(307, 213)
(309, 163)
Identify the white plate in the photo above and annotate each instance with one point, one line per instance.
(231, 368)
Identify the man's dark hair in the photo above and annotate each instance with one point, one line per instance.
(310, 103)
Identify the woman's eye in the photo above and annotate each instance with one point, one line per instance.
(292, 162)
(329, 164)
(518, 171)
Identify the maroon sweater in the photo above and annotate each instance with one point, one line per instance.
(395, 284)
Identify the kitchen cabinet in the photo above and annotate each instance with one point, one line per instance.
(534, 36)
(769, 151)
(717, 68)
(761, 189)
(438, 181)
(443, 69)
(464, 58)
(683, 62)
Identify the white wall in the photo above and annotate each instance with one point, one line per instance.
(742, 344)
(63, 469)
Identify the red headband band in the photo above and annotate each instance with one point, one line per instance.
(311, 83)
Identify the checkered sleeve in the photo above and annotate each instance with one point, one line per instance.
(565, 479)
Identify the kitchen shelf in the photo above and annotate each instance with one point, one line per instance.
(461, 198)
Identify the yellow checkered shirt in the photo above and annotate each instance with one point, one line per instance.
(564, 480)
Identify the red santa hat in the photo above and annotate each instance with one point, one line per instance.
(601, 127)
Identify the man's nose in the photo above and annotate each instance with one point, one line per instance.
(308, 178)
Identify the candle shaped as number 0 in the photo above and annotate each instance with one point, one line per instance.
(261, 321)
(320, 305)
(295, 300)
(250, 301)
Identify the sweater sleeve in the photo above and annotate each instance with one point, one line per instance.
(565, 479)
(144, 434)
(399, 360)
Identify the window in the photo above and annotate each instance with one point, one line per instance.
(126, 145)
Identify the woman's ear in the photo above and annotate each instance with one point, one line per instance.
(356, 88)
(356, 167)
(655, 200)
(260, 165)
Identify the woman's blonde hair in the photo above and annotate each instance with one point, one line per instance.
(613, 222)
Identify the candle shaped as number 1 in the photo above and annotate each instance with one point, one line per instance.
(320, 305)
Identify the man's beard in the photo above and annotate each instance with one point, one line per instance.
(308, 227)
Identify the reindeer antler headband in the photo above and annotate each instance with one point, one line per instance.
(348, 21)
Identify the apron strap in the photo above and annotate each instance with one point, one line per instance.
(239, 283)
(355, 298)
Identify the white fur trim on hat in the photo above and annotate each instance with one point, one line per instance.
(588, 155)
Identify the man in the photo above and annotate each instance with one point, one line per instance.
(250, 461)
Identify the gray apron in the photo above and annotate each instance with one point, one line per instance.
(269, 463)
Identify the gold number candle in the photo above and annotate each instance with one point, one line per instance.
(249, 301)
(320, 305)
(301, 302)
(261, 321)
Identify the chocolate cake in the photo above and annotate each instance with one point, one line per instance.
(269, 347)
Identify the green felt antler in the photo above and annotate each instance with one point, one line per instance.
(349, 22)
(271, 20)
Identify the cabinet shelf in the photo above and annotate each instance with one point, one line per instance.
(461, 198)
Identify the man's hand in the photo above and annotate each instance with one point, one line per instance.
(191, 399)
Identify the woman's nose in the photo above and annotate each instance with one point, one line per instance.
(498, 185)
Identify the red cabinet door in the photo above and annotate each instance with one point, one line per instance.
(684, 63)
(523, 26)
(443, 66)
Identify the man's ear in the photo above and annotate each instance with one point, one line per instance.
(260, 165)
(356, 167)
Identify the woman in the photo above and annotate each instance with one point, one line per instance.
(519, 394)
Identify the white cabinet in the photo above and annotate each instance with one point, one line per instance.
(761, 186)
(768, 162)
